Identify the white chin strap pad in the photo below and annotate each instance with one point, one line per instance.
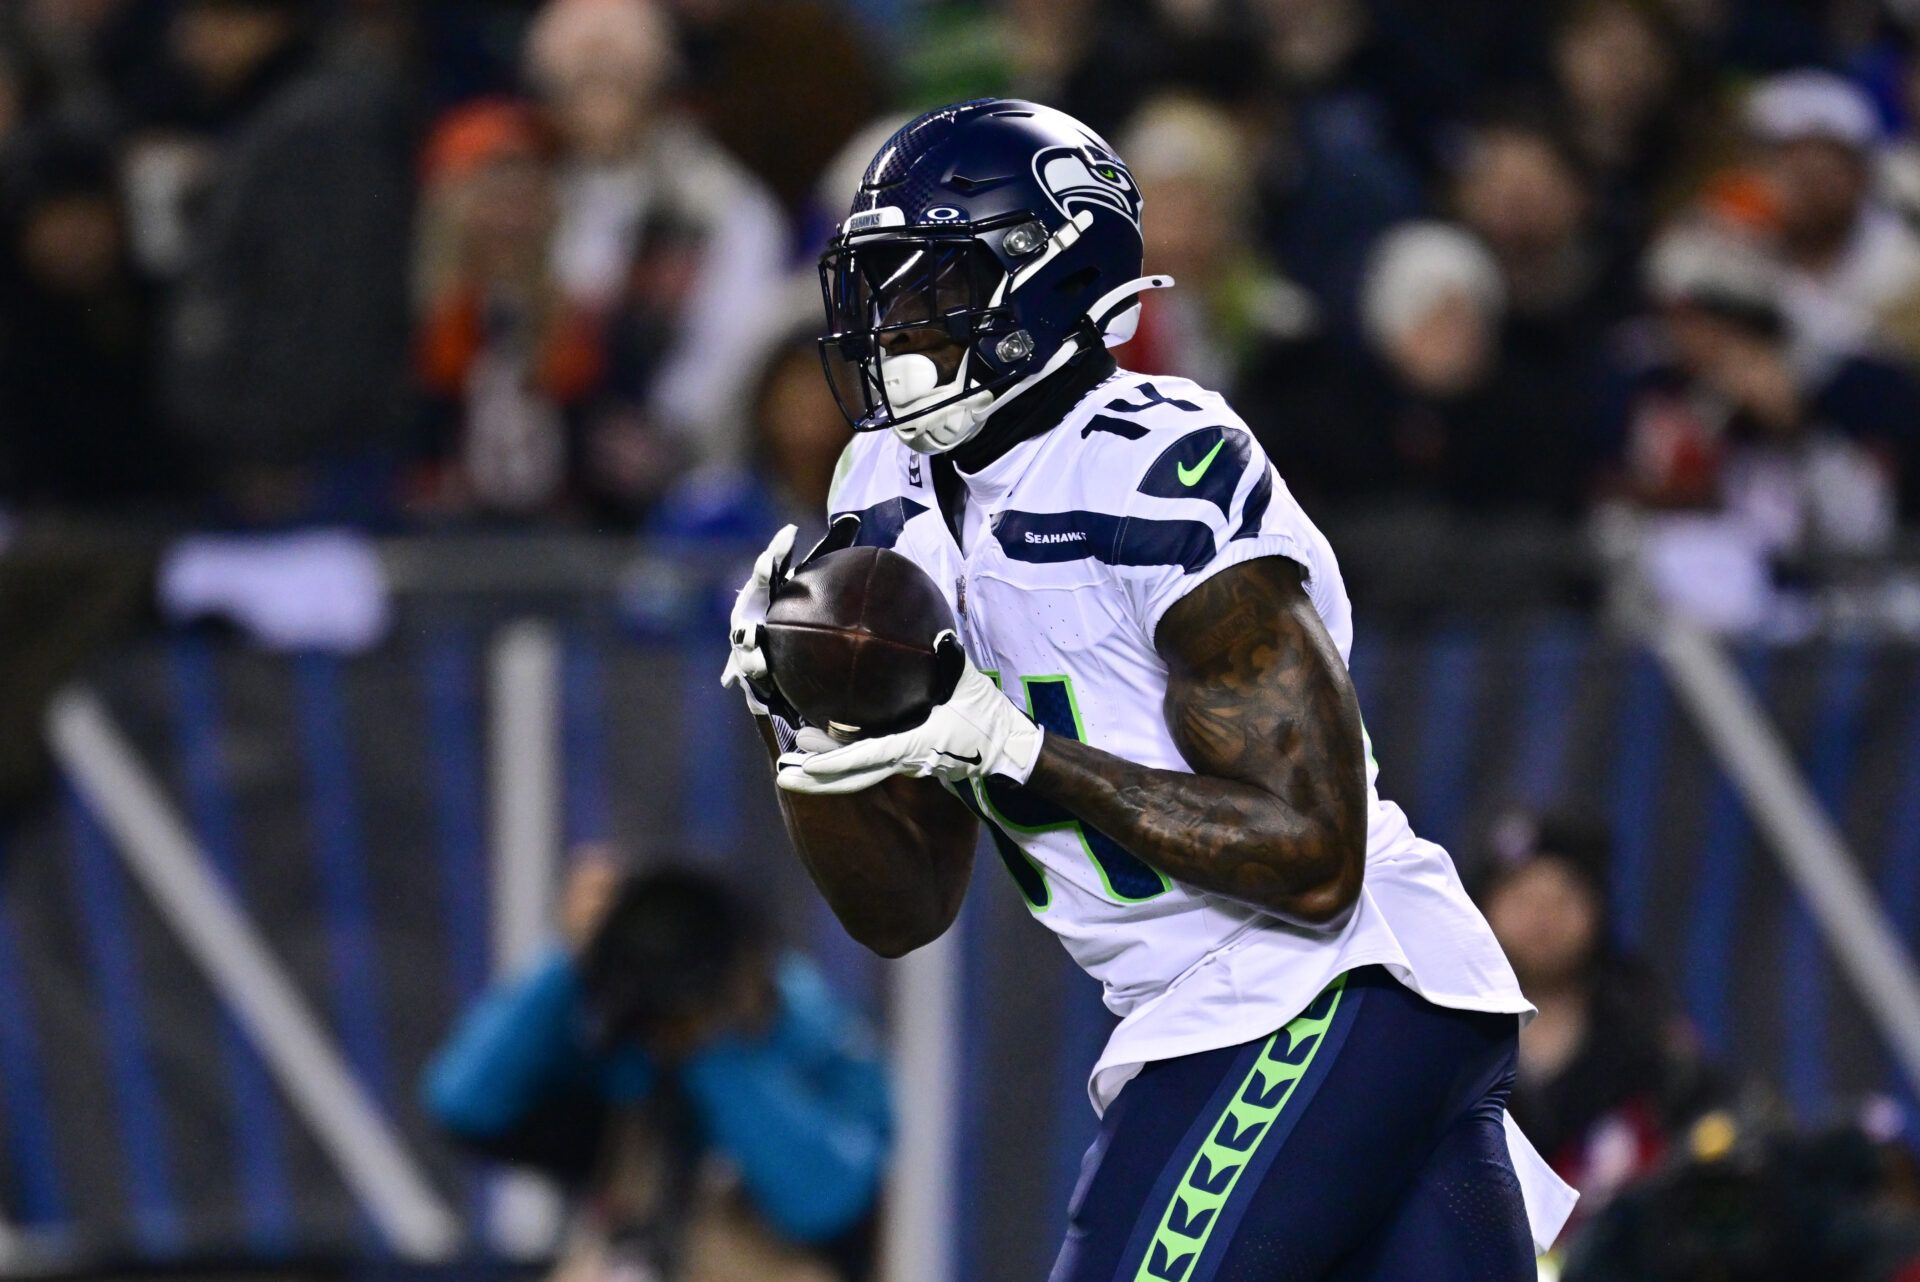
(908, 379)
(912, 380)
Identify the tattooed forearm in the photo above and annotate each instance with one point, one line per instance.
(1258, 701)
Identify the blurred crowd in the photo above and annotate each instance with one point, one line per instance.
(309, 269)
(1687, 1169)
(397, 264)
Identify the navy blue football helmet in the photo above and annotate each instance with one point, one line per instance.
(990, 242)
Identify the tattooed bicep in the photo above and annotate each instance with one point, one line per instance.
(1257, 690)
(1231, 615)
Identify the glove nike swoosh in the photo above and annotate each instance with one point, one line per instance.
(974, 760)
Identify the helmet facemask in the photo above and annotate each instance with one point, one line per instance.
(920, 340)
(991, 243)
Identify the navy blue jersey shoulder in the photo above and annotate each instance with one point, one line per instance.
(881, 524)
(1205, 464)
(1257, 501)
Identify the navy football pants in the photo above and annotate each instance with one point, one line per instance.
(1360, 1143)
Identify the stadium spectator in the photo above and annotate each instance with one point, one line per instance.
(1851, 261)
(1329, 184)
(209, 71)
(1749, 1200)
(1433, 307)
(801, 432)
(1636, 116)
(666, 1042)
(1723, 419)
(507, 360)
(1520, 189)
(1519, 186)
(1351, 70)
(1230, 305)
(798, 435)
(76, 338)
(1459, 422)
(1314, 44)
(661, 234)
(1096, 59)
(286, 356)
(77, 57)
(781, 84)
(1607, 1073)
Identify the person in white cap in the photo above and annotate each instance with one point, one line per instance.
(1467, 423)
(1432, 304)
(1850, 258)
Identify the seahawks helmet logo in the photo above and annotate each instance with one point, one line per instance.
(1079, 177)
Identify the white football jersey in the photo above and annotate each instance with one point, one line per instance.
(1077, 543)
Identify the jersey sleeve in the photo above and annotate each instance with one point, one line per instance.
(1210, 499)
(866, 484)
(843, 470)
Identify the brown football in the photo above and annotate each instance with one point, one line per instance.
(850, 642)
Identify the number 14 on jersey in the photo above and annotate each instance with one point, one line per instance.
(1008, 809)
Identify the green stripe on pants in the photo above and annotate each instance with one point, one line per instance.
(1189, 1220)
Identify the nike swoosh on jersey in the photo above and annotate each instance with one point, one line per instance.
(1206, 464)
(1190, 477)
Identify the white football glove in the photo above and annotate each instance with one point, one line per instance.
(977, 732)
(746, 662)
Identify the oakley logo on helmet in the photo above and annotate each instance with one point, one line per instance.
(1078, 176)
(944, 214)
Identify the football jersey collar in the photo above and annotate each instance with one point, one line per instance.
(1039, 410)
(976, 468)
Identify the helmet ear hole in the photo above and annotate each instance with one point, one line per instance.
(1078, 282)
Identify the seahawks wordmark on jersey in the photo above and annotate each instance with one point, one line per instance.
(1077, 542)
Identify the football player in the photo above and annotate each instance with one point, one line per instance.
(1154, 722)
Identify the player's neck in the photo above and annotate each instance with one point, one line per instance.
(1034, 411)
